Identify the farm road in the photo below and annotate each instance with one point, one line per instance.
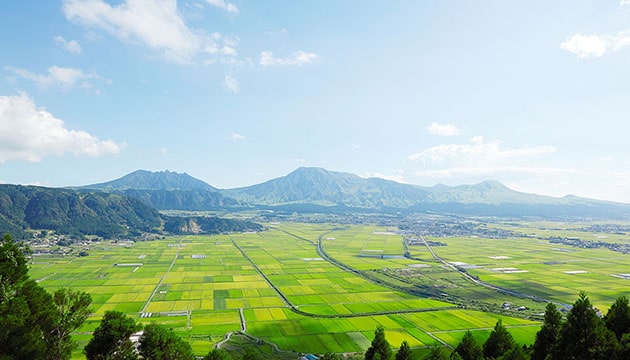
(157, 287)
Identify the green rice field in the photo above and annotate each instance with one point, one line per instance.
(275, 286)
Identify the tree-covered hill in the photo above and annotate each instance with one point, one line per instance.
(69, 212)
(207, 225)
(183, 199)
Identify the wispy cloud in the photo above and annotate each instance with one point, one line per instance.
(231, 84)
(71, 46)
(490, 170)
(221, 4)
(398, 177)
(56, 76)
(155, 24)
(443, 129)
(29, 133)
(585, 46)
(298, 58)
(237, 137)
(478, 157)
(476, 150)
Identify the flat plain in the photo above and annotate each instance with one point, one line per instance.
(277, 287)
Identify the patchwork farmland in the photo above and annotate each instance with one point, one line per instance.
(321, 288)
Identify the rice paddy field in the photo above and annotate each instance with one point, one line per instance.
(276, 287)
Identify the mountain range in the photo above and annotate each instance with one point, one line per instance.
(128, 206)
(312, 189)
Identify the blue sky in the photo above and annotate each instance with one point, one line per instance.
(534, 94)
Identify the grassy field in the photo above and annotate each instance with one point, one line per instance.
(278, 288)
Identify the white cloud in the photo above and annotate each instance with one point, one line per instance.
(62, 77)
(29, 133)
(481, 158)
(71, 46)
(399, 177)
(231, 84)
(221, 4)
(153, 23)
(298, 58)
(237, 136)
(624, 2)
(443, 129)
(489, 170)
(585, 46)
(476, 151)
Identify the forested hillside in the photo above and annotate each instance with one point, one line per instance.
(66, 211)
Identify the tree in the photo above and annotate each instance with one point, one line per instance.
(547, 336)
(110, 340)
(623, 351)
(584, 336)
(404, 352)
(251, 354)
(159, 343)
(217, 354)
(499, 342)
(72, 308)
(468, 348)
(380, 348)
(617, 318)
(13, 264)
(515, 353)
(27, 313)
(435, 354)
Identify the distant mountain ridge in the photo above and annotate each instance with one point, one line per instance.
(148, 180)
(312, 189)
(167, 190)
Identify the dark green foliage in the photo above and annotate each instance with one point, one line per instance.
(27, 318)
(617, 319)
(27, 313)
(468, 348)
(33, 324)
(69, 212)
(455, 356)
(207, 225)
(159, 343)
(404, 352)
(111, 338)
(515, 353)
(72, 309)
(380, 348)
(435, 353)
(251, 354)
(13, 266)
(190, 200)
(329, 356)
(547, 337)
(217, 354)
(499, 342)
(584, 336)
(623, 350)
